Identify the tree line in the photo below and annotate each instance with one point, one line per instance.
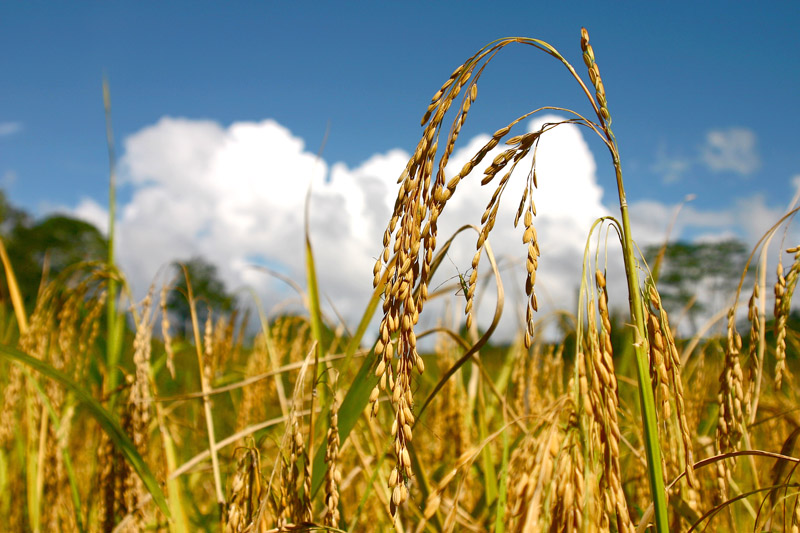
(41, 250)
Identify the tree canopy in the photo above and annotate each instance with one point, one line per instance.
(208, 289)
(59, 240)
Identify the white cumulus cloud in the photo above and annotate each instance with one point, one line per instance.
(236, 195)
(732, 149)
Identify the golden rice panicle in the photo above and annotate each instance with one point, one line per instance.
(658, 367)
(521, 146)
(306, 512)
(409, 240)
(533, 470)
(253, 408)
(401, 312)
(246, 489)
(780, 325)
(107, 457)
(71, 316)
(605, 373)
(594, 75)
(568, 503)
(587, 405)
(664, 343)
(730, 398)
(90, 326)
(410, 237)
(127, 490)
(519, 475)
(140, 395)
(333, 474)
(138, 408)
(754, 317)
(295, 507)
(165, 331)
(784, 288)
(223, 339)
(448, 409)
(208, 349)
(12, 393)
(35, 342)
(531, 265)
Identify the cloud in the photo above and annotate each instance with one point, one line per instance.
(9, 128)
(733, 150)
(91, 212)
(236, 195)
(671, 168)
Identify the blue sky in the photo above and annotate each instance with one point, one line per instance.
(672, 74)
(703, 94)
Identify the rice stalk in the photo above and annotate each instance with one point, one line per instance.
(114, 322)
(411, 235)
(203, 357)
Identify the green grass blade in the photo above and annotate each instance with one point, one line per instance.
(489, 474)
(178, 523)
(103, 417)
(378, 465)
(314, 310)
(317, 330)
(500, 517)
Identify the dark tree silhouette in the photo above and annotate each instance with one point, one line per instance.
(59, 239)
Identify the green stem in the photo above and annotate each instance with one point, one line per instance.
(113, 331)
(651, 444)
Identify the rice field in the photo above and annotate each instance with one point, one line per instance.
(114, 418)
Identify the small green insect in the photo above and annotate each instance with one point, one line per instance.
(462, 280)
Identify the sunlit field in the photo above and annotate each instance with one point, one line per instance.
(185, 413)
